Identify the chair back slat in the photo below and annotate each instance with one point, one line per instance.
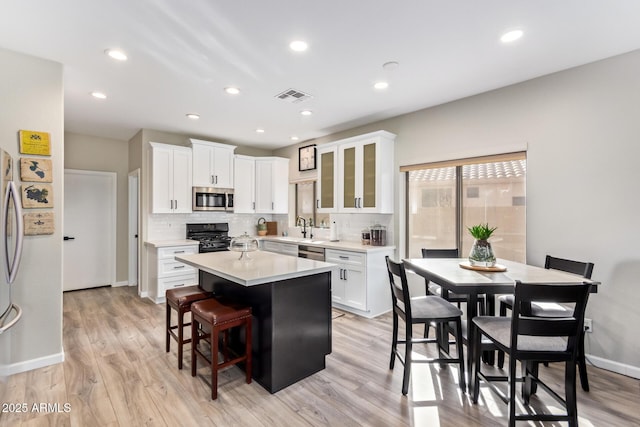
(399, 286)
(440, 253)
(522, 324)
(584, 269)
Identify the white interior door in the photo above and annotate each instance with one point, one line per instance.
(89, 229)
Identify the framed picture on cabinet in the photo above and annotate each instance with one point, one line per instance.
(307, 158)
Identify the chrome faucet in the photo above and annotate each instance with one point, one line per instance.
(304, 226)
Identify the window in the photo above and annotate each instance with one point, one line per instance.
(445, 198)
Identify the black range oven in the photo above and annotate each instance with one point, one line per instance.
(213, 237)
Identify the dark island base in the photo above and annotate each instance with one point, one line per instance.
(291, 325)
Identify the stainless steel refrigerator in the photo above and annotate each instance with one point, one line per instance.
(11, 235)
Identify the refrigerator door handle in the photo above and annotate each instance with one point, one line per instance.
(17, 317)
(12, 193)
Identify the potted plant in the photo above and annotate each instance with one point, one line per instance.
(481, 252)
(262, 227)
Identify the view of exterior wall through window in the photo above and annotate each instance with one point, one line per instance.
(444, 199)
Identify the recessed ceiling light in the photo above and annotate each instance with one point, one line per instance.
(381, 85)
(99, 95)
(259, 130)
(391, 65)
(298, 46)
(294, 138)
(193, 116)
(116, 54)
(232, 90)
(511, 36)
(306, 112)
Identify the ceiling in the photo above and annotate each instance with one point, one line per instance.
(181, 56)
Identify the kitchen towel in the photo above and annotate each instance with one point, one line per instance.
(333, 232)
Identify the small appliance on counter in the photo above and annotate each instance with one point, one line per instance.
(366, 237)
(378, 235)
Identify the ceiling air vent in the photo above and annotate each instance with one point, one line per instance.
(293, 96)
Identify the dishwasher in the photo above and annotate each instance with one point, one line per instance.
(311, 252)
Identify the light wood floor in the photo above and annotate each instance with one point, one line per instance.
(116, 373)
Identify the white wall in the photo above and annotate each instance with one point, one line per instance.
(581, 128)
(105, 155)
(31, 98)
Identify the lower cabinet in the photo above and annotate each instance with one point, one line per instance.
(361, 283)
(280, 248)
(169, 273)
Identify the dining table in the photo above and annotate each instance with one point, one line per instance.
(457, 276)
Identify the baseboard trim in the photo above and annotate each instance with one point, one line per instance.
(610, 365)
(29, 365)
(119, 284)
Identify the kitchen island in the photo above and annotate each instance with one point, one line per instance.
(291, 302)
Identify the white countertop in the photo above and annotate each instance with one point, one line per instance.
(261, 267)
(328, 244)
(167, 243)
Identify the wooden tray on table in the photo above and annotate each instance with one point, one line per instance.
(495, 269)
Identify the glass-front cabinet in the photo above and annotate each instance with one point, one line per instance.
(365, 173)
(356, 174)
(327, 185)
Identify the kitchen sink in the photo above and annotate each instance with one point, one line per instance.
(310, 241)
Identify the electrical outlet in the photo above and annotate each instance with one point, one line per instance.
(588, 325)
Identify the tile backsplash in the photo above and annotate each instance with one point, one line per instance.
(349, 226)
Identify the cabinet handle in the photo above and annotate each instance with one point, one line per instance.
(340, 274)
(355, 202)
(176, 205)
(215, 179)
(272, 206)
(345, 275)
(178, 252)
(177, 286)
(178, 266)
(317, 203)
(343, 257)
(212, 179)
(254, 206)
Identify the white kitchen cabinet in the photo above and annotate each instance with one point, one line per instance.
(361, 284)
(212, 164)
(270, 180)
(365, 173)
(355, 175)
(171, 179)
(280, 248)
(244, 179)
(327, 183)
(167, 273)
(272, 185)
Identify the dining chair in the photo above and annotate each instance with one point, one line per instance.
(533, 339)
(435, 289)
(421, 310)
(553, 309)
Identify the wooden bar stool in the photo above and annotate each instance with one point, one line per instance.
(217, 317)
(180, 300)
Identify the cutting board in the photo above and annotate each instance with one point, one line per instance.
(272, 228)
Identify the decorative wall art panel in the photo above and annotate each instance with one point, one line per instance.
(32, 142)
(36, 170)
(37, 196)
(38, 223)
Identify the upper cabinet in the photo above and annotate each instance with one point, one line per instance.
(261, 185)
(272, 185)
(361, 170)
(327, 184)
(212, 164)
(170, 178)
(244, 179)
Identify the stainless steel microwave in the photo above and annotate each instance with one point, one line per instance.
(212, 199)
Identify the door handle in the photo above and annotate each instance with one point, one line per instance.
(68, 238)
